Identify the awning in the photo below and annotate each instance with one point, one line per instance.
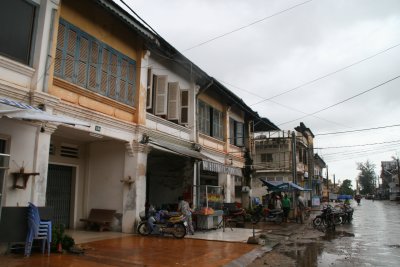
(220, 168)
(177, 149)
(17, 110)
(282, 186)
(207, 164)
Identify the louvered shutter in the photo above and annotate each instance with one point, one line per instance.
(123, 80)
(112, 80)
(232, 133)
(161, 95)
(173, 101)
(93, 66)
(59, 50)
(105, 58)
(131, 83)
(184, 117)
(217, 124)
(239, 134)
(70, 56)
(83, 61)
(149, 89)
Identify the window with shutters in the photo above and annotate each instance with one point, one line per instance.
(149, 89)
(17, 20)
(210, 121)
(173, 101)
(161, 94)
(236, 130)
(85, 61)
(184, 116)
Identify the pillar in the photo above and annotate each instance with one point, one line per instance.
(41, 163)
(134, 193)
(226, 181)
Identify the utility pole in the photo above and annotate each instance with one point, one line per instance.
(294, 164)
(334, 182)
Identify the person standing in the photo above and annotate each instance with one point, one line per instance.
(286, 207)
(301, 204)
(184, 208)
(278, 202)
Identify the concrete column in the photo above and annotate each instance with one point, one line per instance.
(134, 192)
(41, 163)
(226, 181)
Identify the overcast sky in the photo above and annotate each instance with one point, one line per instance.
(313, 54)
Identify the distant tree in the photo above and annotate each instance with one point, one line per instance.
(366, 177)
(346, 188)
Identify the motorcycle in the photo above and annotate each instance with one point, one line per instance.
(162, 222)
(268, 215)
(328, 219)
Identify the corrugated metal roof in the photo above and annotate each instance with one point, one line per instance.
(128, 19)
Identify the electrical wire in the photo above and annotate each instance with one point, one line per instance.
(328, 74)
(246, 26)
(343, 101)
(359, 130)
(370, 144)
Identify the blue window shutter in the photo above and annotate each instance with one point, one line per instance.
(91, 64)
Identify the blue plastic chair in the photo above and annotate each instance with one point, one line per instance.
(37, 229)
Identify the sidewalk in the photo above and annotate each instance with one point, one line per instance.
(205, 248)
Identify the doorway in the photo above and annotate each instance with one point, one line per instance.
(58, 193)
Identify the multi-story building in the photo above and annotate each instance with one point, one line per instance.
(390, 179)
(278, 153)
(104, 113)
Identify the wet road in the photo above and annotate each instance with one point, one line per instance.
(372, 239)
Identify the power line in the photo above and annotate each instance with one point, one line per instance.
(371, 144)
(345, 100)
(246, 26)
(327, 75)
(360, 130)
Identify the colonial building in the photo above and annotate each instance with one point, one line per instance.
(102, 112)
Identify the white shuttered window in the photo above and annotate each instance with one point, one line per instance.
(173, 100)
(161, 94)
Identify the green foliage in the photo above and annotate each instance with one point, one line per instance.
(59, 237)
(367, 177)
(346, 188)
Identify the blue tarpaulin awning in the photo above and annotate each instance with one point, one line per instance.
(282, 186)
(344, 197)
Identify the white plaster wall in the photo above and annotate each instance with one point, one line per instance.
(106, 169)
(22, 151)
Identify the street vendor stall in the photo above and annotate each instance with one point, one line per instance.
(209, 201)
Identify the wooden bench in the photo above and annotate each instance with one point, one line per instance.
(100, 219)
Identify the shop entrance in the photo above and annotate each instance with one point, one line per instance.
(169, 176)
(58, 194)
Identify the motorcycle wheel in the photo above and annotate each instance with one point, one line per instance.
(179, 230)
(317, 221)
(338, 220)
(143, 229)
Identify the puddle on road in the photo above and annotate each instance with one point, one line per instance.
(312, 253)
(329, 236)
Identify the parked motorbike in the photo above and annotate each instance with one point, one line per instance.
(259, 213)
(162, 222)
(346, 213)
(327, 219)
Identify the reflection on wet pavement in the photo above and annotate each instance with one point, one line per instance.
(372, 239)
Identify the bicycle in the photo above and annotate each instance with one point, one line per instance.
(232, 217)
